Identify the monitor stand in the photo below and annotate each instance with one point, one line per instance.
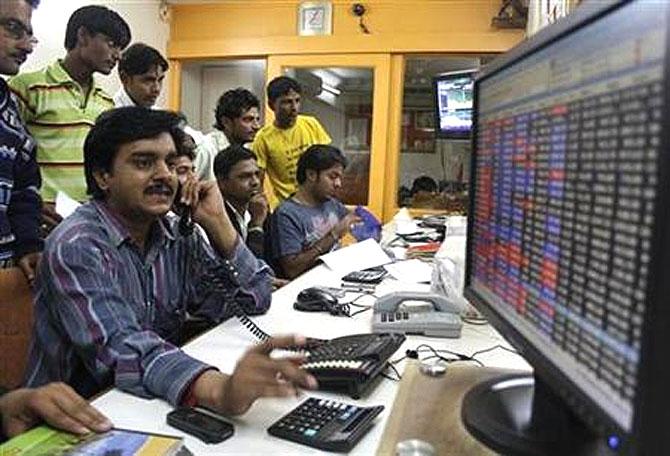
(519, 414)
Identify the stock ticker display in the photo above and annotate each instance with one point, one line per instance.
(566, 180)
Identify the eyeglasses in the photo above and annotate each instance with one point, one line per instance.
(17, 30)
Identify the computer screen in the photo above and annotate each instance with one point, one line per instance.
(566, 235)
(453, 104)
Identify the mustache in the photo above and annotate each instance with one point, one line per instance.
(159, 189)
(22, 55)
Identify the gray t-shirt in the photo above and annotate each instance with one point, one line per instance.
(295, 226)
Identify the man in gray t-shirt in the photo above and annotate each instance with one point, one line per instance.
(312, 221)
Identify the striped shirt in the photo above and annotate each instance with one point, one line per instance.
(20, 206)
(59, 115)
(107, 313)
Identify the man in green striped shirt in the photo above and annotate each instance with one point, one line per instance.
(60, 102)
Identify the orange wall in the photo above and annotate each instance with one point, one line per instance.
(268, 28)
(237, 28)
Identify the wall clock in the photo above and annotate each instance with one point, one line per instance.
(315, 18)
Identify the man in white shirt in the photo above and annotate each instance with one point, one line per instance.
(142, 71)
(237, 122)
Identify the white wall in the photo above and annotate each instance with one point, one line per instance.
(202, 83)
(50, 19)
(451, 153)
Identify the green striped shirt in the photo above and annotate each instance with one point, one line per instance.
(59, 115)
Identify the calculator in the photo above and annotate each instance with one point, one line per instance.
(326, 424)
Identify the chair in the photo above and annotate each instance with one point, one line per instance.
(16, 325)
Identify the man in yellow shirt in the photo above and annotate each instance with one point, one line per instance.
(279, 146)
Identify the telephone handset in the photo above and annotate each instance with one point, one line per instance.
(185, 225)
(424, 313)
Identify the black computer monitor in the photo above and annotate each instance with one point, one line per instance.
(568, 249)
(453, 104)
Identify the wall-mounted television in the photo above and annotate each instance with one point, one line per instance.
(453, 104)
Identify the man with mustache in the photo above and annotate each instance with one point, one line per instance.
(278, 146)
(118, 279)
(20, 204)
(60, 102)
(141, 71)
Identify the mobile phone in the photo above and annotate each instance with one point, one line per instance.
(200, 423)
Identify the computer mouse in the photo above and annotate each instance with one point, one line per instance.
(314, 299)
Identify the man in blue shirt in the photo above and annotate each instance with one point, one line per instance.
(20, 244)
(118, 279)
(20, 204)
(312, 221)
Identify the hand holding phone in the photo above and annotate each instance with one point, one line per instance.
(201, 423)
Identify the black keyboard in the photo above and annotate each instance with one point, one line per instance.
(326, 425)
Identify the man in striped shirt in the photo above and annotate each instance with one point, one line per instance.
(118, 278)
(60, 102)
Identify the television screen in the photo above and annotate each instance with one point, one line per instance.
(453, 104)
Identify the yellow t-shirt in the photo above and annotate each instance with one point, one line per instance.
(278, 150)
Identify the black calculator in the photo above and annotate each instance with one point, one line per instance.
(325, 424)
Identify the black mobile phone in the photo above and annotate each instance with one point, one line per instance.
(205, 425)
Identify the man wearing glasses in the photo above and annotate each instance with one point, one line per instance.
(55, 403)
(20, 205)
(60, 102)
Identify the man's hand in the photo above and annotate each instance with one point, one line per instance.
(277, 283)
(56, 403)
(28, 264)
(344, 225)
(256, 375)
(50, 218)
(205, 200)
(258, 209)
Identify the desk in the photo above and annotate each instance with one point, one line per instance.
(223, 345)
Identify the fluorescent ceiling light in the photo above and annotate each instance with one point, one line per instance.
(329, 88)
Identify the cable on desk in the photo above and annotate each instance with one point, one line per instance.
(389, 364)
(459, 356)
(361, 295)
(495, 347)
(360, 311)
(436, 353)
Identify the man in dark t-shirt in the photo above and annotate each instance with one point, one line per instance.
(312, 221)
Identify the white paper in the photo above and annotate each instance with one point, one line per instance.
(65, 205)
(361, 255)
(406, 227)
(415, 271)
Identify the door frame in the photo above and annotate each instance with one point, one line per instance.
(380, 65)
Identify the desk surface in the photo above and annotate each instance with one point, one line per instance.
(223, 346)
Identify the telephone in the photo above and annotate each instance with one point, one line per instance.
(348, 364)
(435, 316)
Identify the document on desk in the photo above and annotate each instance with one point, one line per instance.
(361, 255)
(65, 205)
(415, 271)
